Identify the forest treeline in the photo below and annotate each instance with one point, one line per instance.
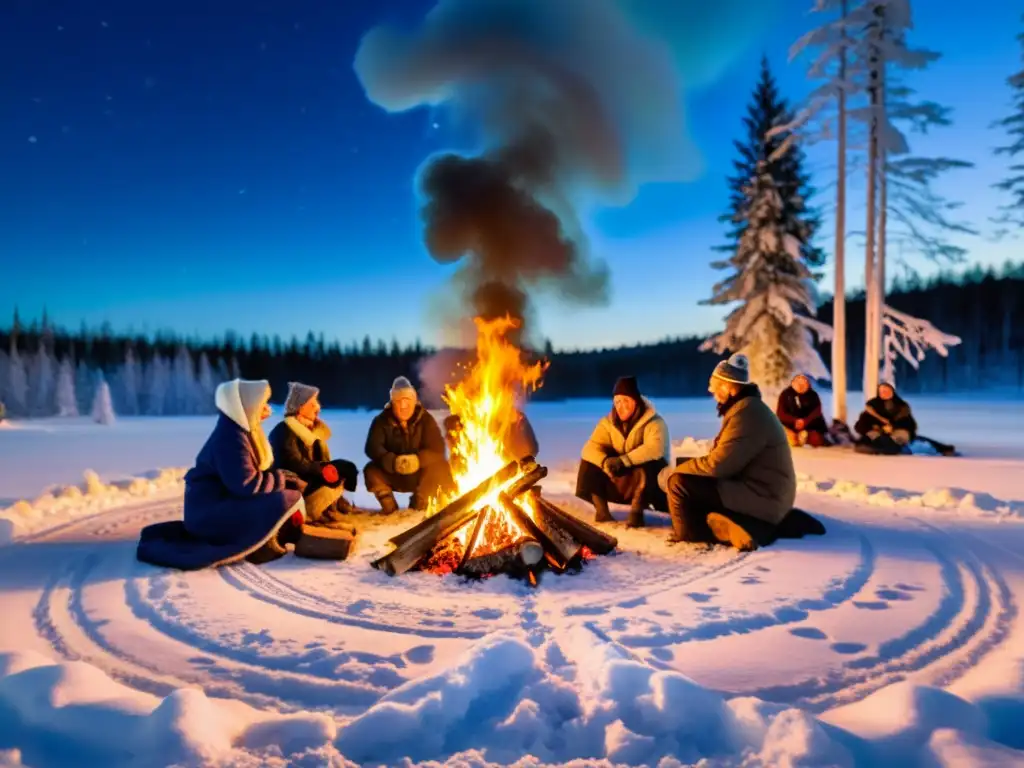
(46, 370)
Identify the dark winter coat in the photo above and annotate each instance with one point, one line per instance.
(304, 451)
(388, 439)
(232, 506)
(806, 407)
(895, 412)
(520, 442)
(750, 459)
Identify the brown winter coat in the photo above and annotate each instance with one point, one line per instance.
(388, 439)
(647, 440)
(751, 459)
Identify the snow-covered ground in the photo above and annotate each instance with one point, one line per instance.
(895, 640)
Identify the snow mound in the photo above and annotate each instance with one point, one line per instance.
(941, 498)
(54, 708)
(61, 504)
(690, 446)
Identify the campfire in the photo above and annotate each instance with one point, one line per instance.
(496, 521)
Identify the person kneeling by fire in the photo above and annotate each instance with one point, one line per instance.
(741, 493)
(624, 455)
(299, 443)
(406, 452)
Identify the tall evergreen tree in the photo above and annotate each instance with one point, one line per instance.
(1013, 124)
(67, 400)
(775, 286)
(763, 142)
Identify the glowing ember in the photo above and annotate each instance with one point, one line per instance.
(486, 400)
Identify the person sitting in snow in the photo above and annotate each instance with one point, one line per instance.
(799, 410)
(299, 443)
(622, 459)
(236, 505)
(887, 425)
(406, 452)
(520, 442)
(745, 486)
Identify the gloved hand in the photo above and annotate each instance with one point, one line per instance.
(614, 466)
(407, 464)
(330, 474)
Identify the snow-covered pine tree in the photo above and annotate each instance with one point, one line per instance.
(1013, 212)
(157, 384)
(785, 159)
(183, 384)
(774, 284)
(85, 385)
(41, 383)
(206, 386)
(103, 404)
(5, 364)
(16, 391)
(128, 384)
(67, 400)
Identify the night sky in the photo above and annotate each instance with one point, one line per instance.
(163, 165)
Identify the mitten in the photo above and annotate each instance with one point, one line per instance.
(407, 464)
(330, 474)
(613, 466)
(348, 473)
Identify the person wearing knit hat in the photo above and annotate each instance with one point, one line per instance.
(887, 425)
(799, 410)
(299, 443)
(406, 451)
(236, 505)
(622, 459)
(744, 487)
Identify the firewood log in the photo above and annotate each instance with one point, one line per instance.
(594, 539)
(435, 529)
(456, 507)
(514, 558)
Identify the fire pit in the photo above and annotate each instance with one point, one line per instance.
(504, 525)
(497, 520)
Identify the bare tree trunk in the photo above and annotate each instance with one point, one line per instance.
(839, 384)
(880, 243)
(870, 347)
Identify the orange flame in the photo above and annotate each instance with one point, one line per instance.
(486, 401)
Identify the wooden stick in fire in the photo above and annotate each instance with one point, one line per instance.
(425, 536)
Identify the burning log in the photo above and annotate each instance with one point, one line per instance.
(521, 555)
(553, 553)
(418, 542)
(594, 539)
(466, 501)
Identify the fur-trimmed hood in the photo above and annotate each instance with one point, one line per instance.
(320, 431)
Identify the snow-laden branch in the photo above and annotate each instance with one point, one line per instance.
(910, 338)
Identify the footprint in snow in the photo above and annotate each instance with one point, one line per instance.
(421, 654)
(662, 654)
(808, 633)
(871, 605)
(848, 648)
(699, 597)
(893, 594)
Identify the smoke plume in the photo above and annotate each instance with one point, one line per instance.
(574, 107)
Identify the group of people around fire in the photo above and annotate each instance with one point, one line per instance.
(249, 494)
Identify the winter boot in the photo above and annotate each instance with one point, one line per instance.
(388, 505)
(797, 524)
(743, 532)
(728, 531)
(418, 504)
(601, 513)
